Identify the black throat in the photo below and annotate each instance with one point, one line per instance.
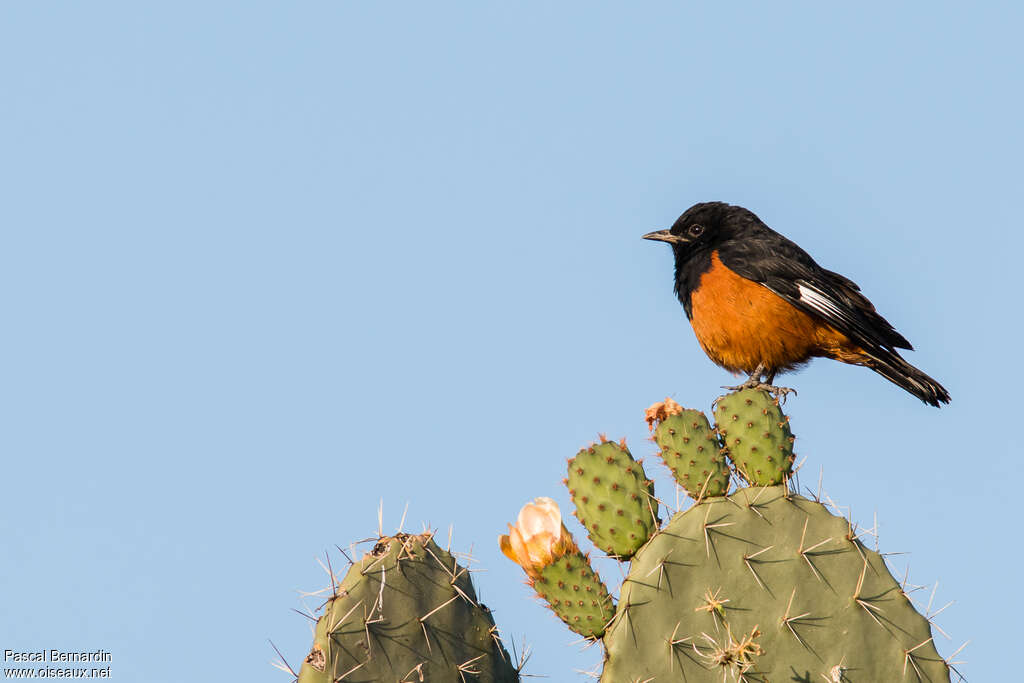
(690, 265)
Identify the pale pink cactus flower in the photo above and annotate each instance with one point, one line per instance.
(538, 538)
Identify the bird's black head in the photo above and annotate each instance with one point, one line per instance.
(694, 236)
(700, 226)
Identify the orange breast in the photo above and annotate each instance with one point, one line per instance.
(741, 324)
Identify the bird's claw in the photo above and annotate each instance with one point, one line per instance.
(779, 392)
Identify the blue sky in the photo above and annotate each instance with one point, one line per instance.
(265, 265)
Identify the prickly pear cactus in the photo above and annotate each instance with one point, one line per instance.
(406, 612)
(613, 497)
(757, 435)
(765, 586)
(690, 449)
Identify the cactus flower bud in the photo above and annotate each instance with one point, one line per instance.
(538, 538)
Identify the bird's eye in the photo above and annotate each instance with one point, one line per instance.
(696, 230)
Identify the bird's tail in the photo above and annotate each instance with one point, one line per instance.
(903, 374)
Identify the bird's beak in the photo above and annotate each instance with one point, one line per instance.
(665, 236)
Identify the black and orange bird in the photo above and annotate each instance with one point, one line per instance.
(760, 304)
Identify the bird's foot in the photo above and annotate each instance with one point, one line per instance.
(778, 392)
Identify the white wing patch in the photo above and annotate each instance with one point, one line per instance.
(839, 313)
(821, 302)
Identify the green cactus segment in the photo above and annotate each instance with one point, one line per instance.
(690, 448)
(406, 612)
(757, 436)
(765, 586)
(576, 594)
(613, 498)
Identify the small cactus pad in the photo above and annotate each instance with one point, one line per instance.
(613, 497)
(757, 436)
(406, 612)
(765, 586)
(576, 594)
(691, 450)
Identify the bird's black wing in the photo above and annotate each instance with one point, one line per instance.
(773, 261)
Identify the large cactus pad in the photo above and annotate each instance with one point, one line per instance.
(406, 612)
(765, 585)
